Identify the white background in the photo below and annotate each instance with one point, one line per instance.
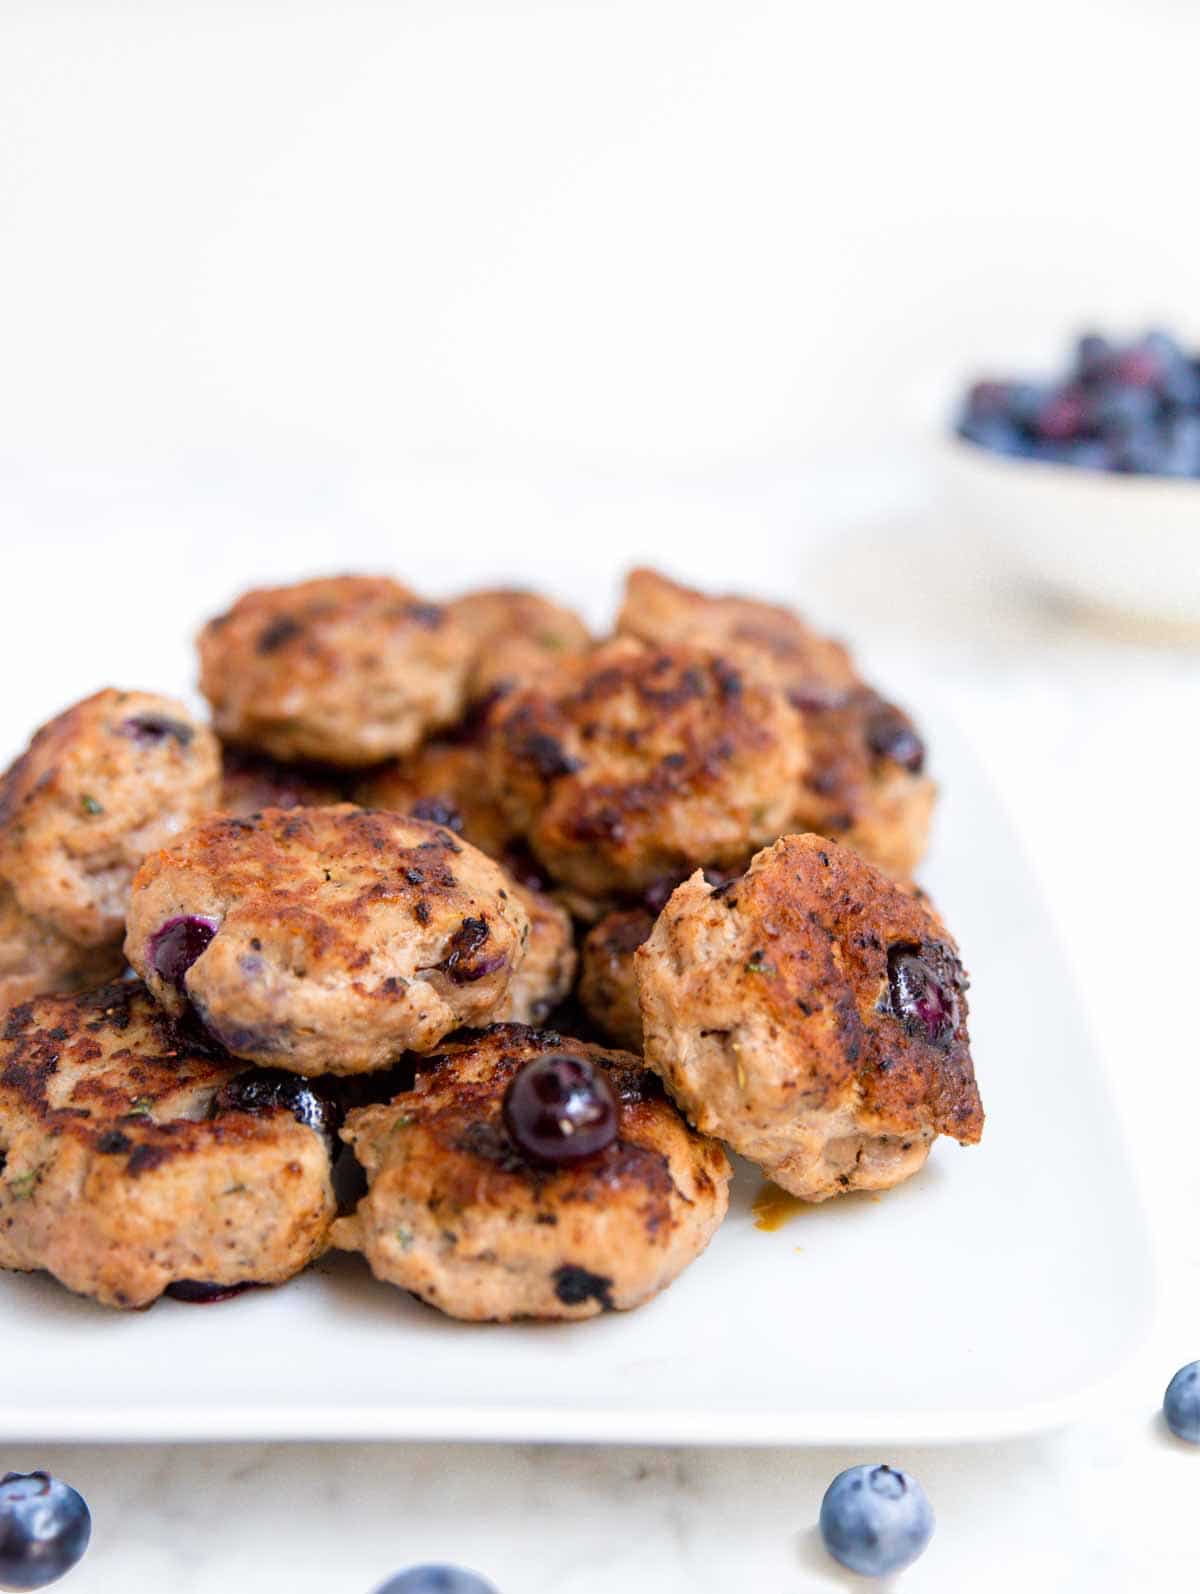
(534, 290)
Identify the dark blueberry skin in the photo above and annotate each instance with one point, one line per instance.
(266, 1089)
(925, 1002)
(559, 1109)
(175, 947)
(890, 735)
(437, 1580)
(875, 1520)
(196, 1293)
(44, 1530)
(150, 730)
(1118, 408)
(1181, 1404)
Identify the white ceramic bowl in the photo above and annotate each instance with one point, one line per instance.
(1127, 544)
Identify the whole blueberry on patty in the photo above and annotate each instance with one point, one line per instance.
(1181, 1404)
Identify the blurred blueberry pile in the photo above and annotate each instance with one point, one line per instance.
(1132, 407)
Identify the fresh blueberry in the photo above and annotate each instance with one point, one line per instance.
(44, 1529)
(1121, 410)
(1143, 452)
(1093, 358)
(436, 1580)
(559, 1109)
(1063, 416)
(875, 1520)
(994, 433)
(1181, 1404)
(177, 945)
(923, 998)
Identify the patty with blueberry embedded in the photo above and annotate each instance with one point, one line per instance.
(813, 1014)
(34, 958)
(347, 670)
(107, 781)
(529, 1175)
(515, 634)
(865, 782)
(631, 764)
(134, 1159)
(326, 940)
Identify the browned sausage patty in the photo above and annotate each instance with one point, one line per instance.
(326, 940)
(100, 786)
(636, 763)
(814, 1015)
(131, 1160)
(457, 1215)
(348, 670)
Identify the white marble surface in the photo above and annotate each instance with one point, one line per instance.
(1092, 741)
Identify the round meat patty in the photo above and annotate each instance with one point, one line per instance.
(633, 764)
(103, 784)
(865, 783)
(812, 1014)
(348, 670)
(326, 940)
(455, 1213)
(515, 635)
(134, 1159)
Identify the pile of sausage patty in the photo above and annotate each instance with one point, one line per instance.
(468, 940)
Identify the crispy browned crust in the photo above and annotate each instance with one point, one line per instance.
(608, 990)
(515, 634)
(766, 636)
(118, 1176)
(348, 670)
(767, 1010)
(456, 1214)
(35, 959)
(90, 796)
(343, 935)
(636, 763)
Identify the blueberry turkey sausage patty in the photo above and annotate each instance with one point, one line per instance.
(813, 1015)
(460, 1214)
(348, 670)
(134, 1159)
(864, 783)
(106, 782)
(326, 940)
(631, 763)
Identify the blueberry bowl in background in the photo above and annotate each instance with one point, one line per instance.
(1091, 477)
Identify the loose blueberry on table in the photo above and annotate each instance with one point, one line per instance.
(875, 1520)
(44, 1530)
(436, 1580)
(1181, 1404)
(559, 1109)
(1133, 408)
